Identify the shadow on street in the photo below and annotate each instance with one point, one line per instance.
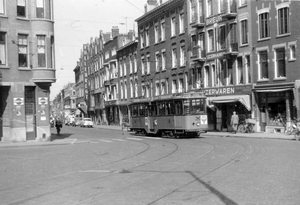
(55, 136)
(220, 195)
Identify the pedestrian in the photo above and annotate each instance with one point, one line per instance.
(58, 125)
(234, 121)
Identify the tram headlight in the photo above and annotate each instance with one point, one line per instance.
(198, 124)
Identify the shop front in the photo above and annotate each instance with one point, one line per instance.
(112, 112)
(276, 105)
(223, 101)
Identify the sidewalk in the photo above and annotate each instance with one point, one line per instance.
(119, 128)
(221, 134)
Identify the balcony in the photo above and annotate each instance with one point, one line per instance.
(229, 9)
(233, 49)
(198, 53)
(43, 75)
(197, 22)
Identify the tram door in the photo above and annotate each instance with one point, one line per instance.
(151, 118)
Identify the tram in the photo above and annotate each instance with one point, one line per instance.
(176, 115)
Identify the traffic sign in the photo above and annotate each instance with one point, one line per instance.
(18, 101)
(43, 101)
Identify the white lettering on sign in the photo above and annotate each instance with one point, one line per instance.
(214, 19)
(219, 91)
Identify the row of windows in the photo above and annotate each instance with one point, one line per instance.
(279, 62)
(23, 6)
(23, 51)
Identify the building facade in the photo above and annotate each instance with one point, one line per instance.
(27, 68)
(276, 63)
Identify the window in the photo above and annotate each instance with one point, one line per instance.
(181, 23)
(2, 48)
(283, 21)
(174, 86)
(157, 62)
(130, 64)
(124, 66)
(52, 52)
(243, 2)
(194, 11)
(41, 47)
(213, 76)
(173, 26)
(142, 39)
(163, 32)
(157, 86)
(222, 37)
(182, 55)
(23, 50)
(211, 40)
(163, 88)
(248, 70)
(240, 74)
(143, 65)
(156, 34)
(229, 73)
(21, 8)
(2, 6)
(174, 58)
(233, 38)
(222, 6)
(244, 31)
(222, 72)
(292, 52)
(148, 64)
(163, 60)
(147, 37)
(280, 63)
(264, 25)
(263, 65)
(180, 85)
(206, 77)
(40, 9)
(131, 94)
(209, 7)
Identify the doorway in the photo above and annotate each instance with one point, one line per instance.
(30, 113)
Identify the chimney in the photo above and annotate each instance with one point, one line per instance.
(106, 37)
(114, 31)
(151, 4)
(131, 35)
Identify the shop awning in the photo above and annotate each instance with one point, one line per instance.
(244, 99)
(273, 88)
(83, 109)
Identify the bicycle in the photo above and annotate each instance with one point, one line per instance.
(246, 126)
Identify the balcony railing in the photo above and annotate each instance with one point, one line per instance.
(198, 53)
(229, 9)
(197, 21)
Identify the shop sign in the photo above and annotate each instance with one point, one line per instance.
(228, 90)
(215, 55)
(214, 19)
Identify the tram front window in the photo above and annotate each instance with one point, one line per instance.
(197, 106)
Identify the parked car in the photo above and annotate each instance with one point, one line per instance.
(86, 122)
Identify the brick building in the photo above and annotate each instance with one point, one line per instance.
(27, 69)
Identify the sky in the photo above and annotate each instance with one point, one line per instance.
(76, 21)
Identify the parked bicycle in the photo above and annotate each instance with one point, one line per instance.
(246, 126)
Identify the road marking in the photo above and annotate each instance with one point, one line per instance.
(119, 140)
(105, 140)
(95, 171)
(154, 138)
(73, 141)
(133, 138)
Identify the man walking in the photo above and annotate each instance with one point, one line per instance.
(234, 121)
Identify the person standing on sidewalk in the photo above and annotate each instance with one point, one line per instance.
(234, 121)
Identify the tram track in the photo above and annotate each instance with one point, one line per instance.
(80, 171)
(223, 180)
